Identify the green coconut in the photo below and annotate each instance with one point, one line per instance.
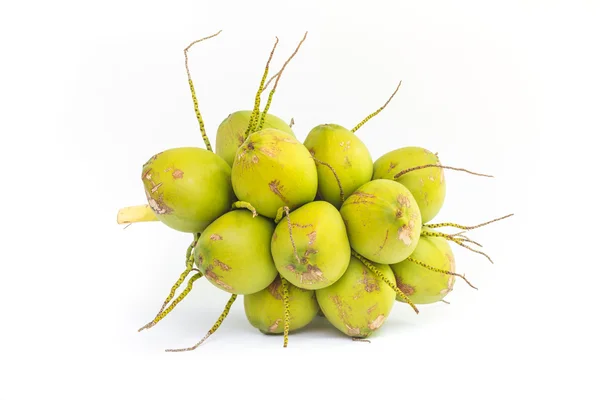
(234, 252)
(321, 243)
(265, 309)
(383, 221)
(230, 134)
(273, 169)
(359, 302)
(346, 154)
(421, 285)
(427, 185)
(187, 187)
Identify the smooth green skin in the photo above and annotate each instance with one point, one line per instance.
(265, 310)
(421, 285)
(348, 156)
(359, 302)
(321, 242)
(383, 221)
(230, 134)
(273, 169)
(427, 185)
(188, 187)
(234, 252)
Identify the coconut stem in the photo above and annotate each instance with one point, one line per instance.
(337, 179)
(463, 239)
(439, 270)
(364, 121)
(212, 330)
(194, 99)
(270, 80)
(189, 264)
(246, 205)
(174, 303)
(256, 110)
(464, 227)
(406, 171)
(458, 241)
(286, 312)
(129, 215)
(380, 275)
(272, 92)
(279, 215)
(286, 210)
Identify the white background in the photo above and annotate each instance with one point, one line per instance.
(90, 90)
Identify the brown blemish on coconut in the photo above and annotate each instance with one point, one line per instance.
(403, 201)
(337, 302)
(387, 233)
(276, 187)
(312, 237)
(216, 236)
(311, 276)
(215, 278)
(377, 322)
(372, 308)
(241, 154)
(392, 166)
(352, 331)
(307, 253)
(240, 139)
(222, 265)
(371, 284)
(404, 233)
(345, 145)
(404, 288)
(362, 198)
(363, 194)
(270, 151)
(431, 178)
(275, 325)
(347, 161)
(147, 174)
(273, 288)
(158, 205)
(177, 174)
(297, 225)
(399, 213)
(156, 187)
(285, 139)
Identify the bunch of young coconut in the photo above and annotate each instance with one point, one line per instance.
(301, 227)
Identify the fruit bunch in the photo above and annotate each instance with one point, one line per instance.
(302, 228)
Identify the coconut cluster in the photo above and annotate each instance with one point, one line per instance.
(304, 228)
